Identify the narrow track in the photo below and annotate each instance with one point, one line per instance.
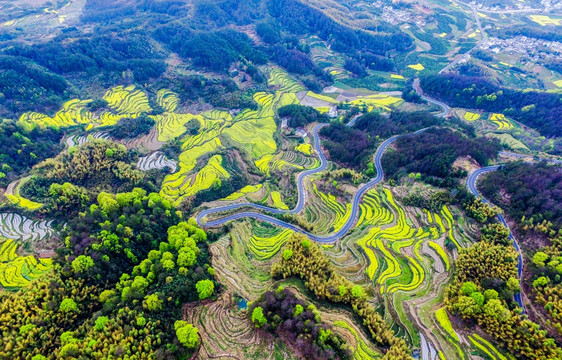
(301, 197)
(471, 185)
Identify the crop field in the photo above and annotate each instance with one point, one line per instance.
(249, 189)
(227, 333)
(324, 212)
(501, 121)
(418, 67)
(488, 349)
(123, 101)
(277, 202)
(380, 101)
(23, 229)
(127, 100)
(362, 350)
(167, 99)
(17, 271)
(305, 149)
(13, 196)
(545, 20)
(265, 247)
(156, 160)
(469, 116)
(250, 131)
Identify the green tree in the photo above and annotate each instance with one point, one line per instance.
(68, 305)
(495, 233)
(513, 285)
(491, 294)
(82, 263)
(101, 322)
(205, 289)
(468, 288)
(357, 292)
(287, 253)
(478, 297)
(540, 258)
(298, 310)
(153, 303)
(188, 335)
(258, 318)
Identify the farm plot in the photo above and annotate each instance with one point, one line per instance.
(418, 67)
(325, 212)
(284, 81)
(305, 149)
(249, 189)
(174, 185)
(13, 196)
(470, 116)
(74, 112)
(397, 253)
(172, 125)
(156, 160)
(228, 333)
(277, 201)
(236, 265)
(270, 162)
(210, 175)
(501, 121)
(17, 271)
(250, 131)
(124, 102)
(127, 100)
(380, 101)
(363, 350)
(265, 247)
(484, 346)
(17, 227)
(75, 140)
(167, 99)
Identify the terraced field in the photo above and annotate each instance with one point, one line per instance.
(17, 271)
(122, 101)
(21, 228)
(501, 121)
(249, 131)
(156, 160)
(226, 332)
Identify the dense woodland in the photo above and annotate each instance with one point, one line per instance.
(538, 110)
(351, 146)
(127, 266)
(281, 312)
(432, 154)
(530, 194)
(304, 259)
(482, 292)
(20, 149)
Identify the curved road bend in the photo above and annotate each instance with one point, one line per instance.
(446, 109)
(301, 197)
(471, 185)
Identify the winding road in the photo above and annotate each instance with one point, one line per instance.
(302, 197)
(446, 109)
(471, 185)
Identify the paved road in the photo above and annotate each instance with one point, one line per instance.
(483, 38)
(353, 120)
(446, 109)
(302, 198)
(471, 185)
